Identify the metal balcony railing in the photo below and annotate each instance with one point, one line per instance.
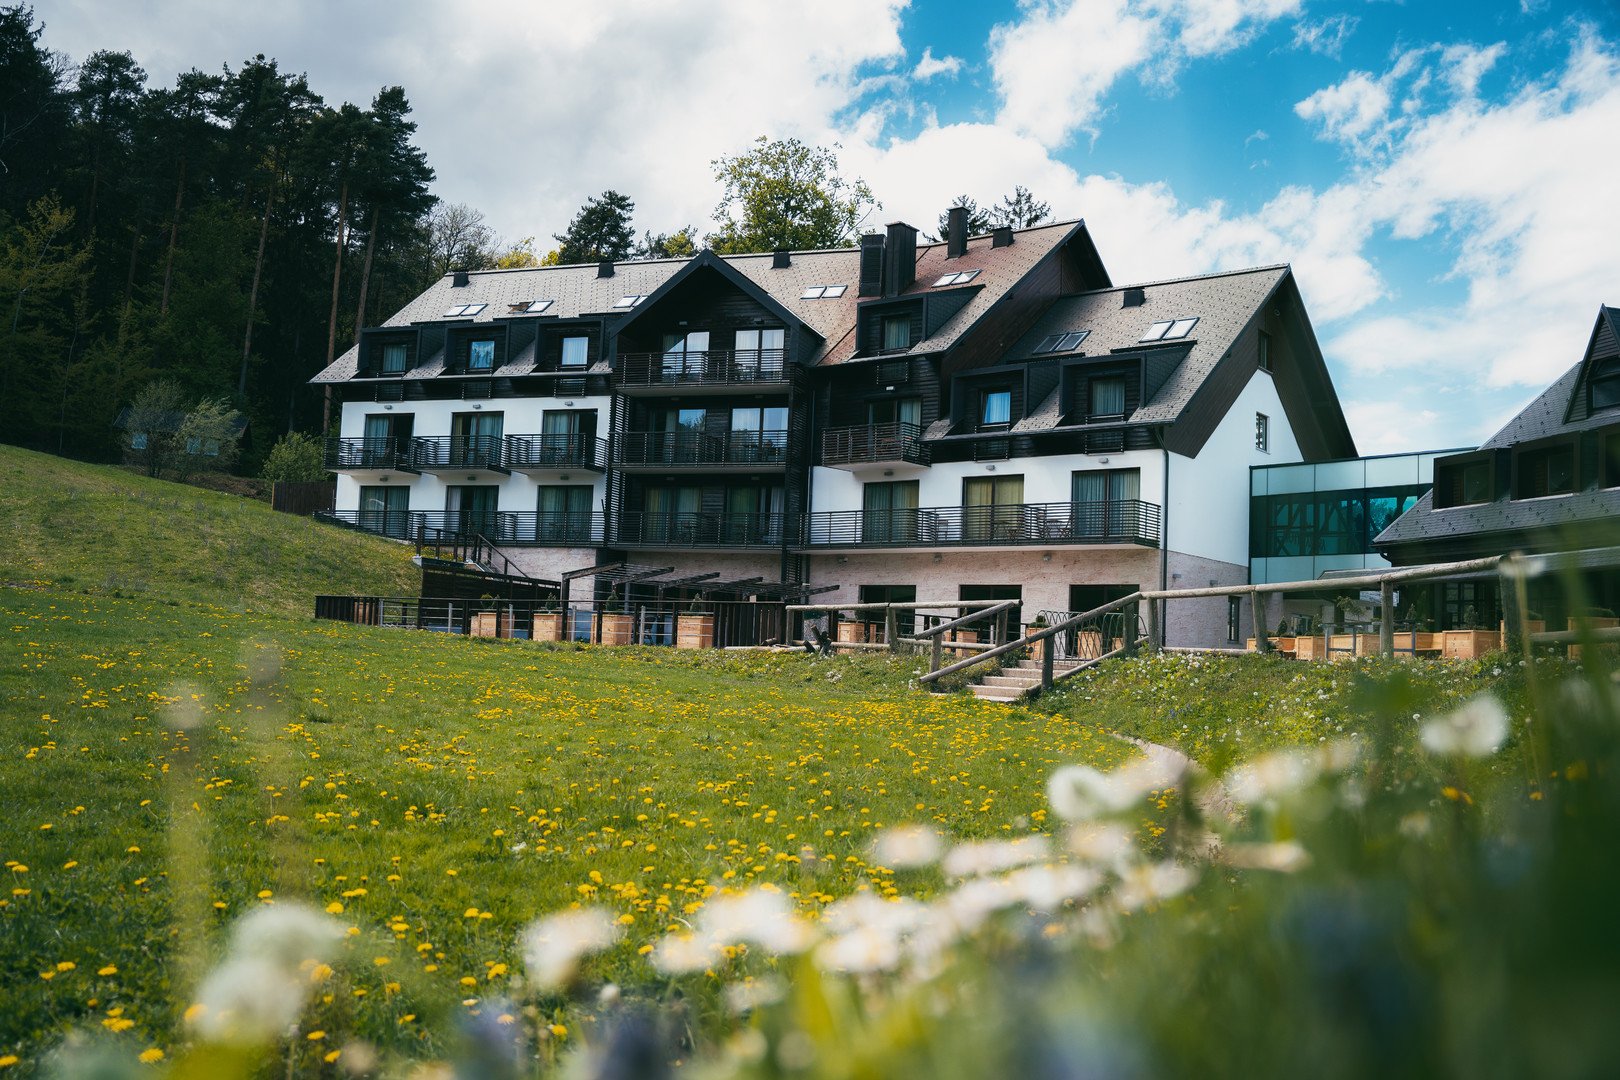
(375, 453)
(714, 366)
(432, 452)
(657, 448)
(516, 527)
(873, 443)
(1125, 521)
(643, 529)
(554, 452)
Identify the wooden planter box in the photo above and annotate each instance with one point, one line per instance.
(547, 627)
(612, 629)
(1597, 623)
(694, 631)
(1468, 644)
(484, 624)
(1309, 648)
(1280, 644)
(852, 632)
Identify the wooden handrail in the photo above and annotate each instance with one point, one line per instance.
(906, 605)
(976, 616)
(1041, 635)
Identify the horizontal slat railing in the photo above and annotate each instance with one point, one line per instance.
(652, 529)
(873, 442)
(700, 448)
(375, 453)
(457, 452)
(713, 366)
(523, 528)
(1129, 521)
(554, 452)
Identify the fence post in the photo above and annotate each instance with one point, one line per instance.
(1130, 629)
(1155, 633)
(1047, 649)
(1386, 621)
(1257, 614)
(891, 625)
(939, 652)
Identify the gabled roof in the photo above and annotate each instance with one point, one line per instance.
(1603, 344)
(708, 260)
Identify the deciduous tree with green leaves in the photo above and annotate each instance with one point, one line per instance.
(783, 193)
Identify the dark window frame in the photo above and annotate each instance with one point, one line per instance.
(1533, 464)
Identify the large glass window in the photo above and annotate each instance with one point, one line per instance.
(670, 515)
(393, 359)
(481, 355)
(678, 435)
(896, 332)
(686, 356)
(992, 507)
(1549, 470)
(575, 351)
(895, 411)
(1603, 385)
(889, 512)
(1106, 503)
(475, 439)
(1108, 397)
(1312, 523)
(564, 513)
(471, 510)
(995, 407)
(384, 510)
(753, 515)
(759, 353)
(758, 433)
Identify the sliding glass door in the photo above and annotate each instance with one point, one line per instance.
(889, 512)
(992, 507)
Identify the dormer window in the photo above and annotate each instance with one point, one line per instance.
(1547, 470)
(481, 355)
(1463, 483)
(1064, 342)
(393, 359)
(995, 408)
(574, 351)
(1107, 398)
(1603, 385)
(896, 332)
(1170, 330)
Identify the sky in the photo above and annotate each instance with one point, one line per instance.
(1442, 174)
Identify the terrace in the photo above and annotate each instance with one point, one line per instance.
(1119, 522)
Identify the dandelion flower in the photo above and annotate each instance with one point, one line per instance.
(682, 954)
(1269, 776)
(907, 847)
(1476, 729)
(993, 856)
(758, 918)
(554, 944)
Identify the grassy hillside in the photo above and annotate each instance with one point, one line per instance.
(106, 530)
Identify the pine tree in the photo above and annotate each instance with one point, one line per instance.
(601, 230)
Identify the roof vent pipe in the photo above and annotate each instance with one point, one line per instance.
(781, 259)
(1133, 298)
(956, 227)
(1002, 236)
(458, 279)
(604, 268)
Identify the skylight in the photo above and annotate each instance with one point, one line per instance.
(823, 292)
(629, 301)
(961, 277)
(1170, 329)
(1063, 342)
(537, 306)
(464, 310)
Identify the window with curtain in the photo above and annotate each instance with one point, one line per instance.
(1107, 397)
(686, 355)
(481, 355)
(383, 509)
(575, 351)
(995, 407)
(754, 515)
(471, 509)
(758, 433)
(992, 507)
(393, 359)
(475, 438)
(889, 512)
(564, 513)
(1105, 503)
(670, 514)
(896, 332)
(758, 353)
(906, 410)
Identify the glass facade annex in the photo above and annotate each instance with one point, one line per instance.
(1307, 519)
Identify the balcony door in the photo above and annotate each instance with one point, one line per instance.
(672, 515)
(470, 509)
(565, 513)
(565, 436)
(758, 434)
(992, 508)
(685, 356)
(1106, 504)
(889, 512)
(475, 439)
(385, 510)
(759, 354)
(677, 436)
(387, 438)
(753, 515)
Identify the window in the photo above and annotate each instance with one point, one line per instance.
(759, 353)
(1603, 385)
(564, 513)
(475, 439)
(535, 307)
(992, 508)
(1262, 432)
(896, 332)
(907, 410)
(758, 434)
(393, 359)
(470, 510)
(686, 356)
(1107, 397)
(629, 301)
(1106, 504)
(905, 622)
(961, 277)
(1463, 483)
(384, 510)
(575, 351)
(1549, 470)
(1611, 460)
(823, 292)
(1169, 330)
(1064, 342)
(995, 407)
(1234, 617)
(463, 311)
(481, 355)
(889, 512)
(1263, 346)
(137, 441)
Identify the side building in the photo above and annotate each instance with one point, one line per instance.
(989, 418)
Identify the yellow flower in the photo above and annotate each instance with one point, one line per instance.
(117, 1023)
(332, 1056)
(150, 1055)
(559, 1030)
(315, 1036)
(334, 908)
(65, 965)
(110, 969)
(8, 1061)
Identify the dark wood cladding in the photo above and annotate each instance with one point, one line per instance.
(846, 395)
(1603, 345)
(1009, 318)
(703, 301)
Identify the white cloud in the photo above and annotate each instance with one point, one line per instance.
(1327, 36)
(930, 65)
(1347, 110)
(1055, 65)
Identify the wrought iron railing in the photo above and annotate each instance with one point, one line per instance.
(713, 366)
(873, 442)
(645, 529)
(700, 448)
(554, 452)
(1129, 521)
(527, 528)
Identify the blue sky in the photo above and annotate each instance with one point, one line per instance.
(1442, 176)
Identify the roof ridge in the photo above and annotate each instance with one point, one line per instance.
(1189, 277)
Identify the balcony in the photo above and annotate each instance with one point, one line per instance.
(517, 528)
(458, 453)
(688, 451)
(682, 530)
(1124, 522)
(873, 445)
(715, 372)
(545, 453)
(359, 455)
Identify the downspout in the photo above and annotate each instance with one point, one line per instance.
(1164, 545)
